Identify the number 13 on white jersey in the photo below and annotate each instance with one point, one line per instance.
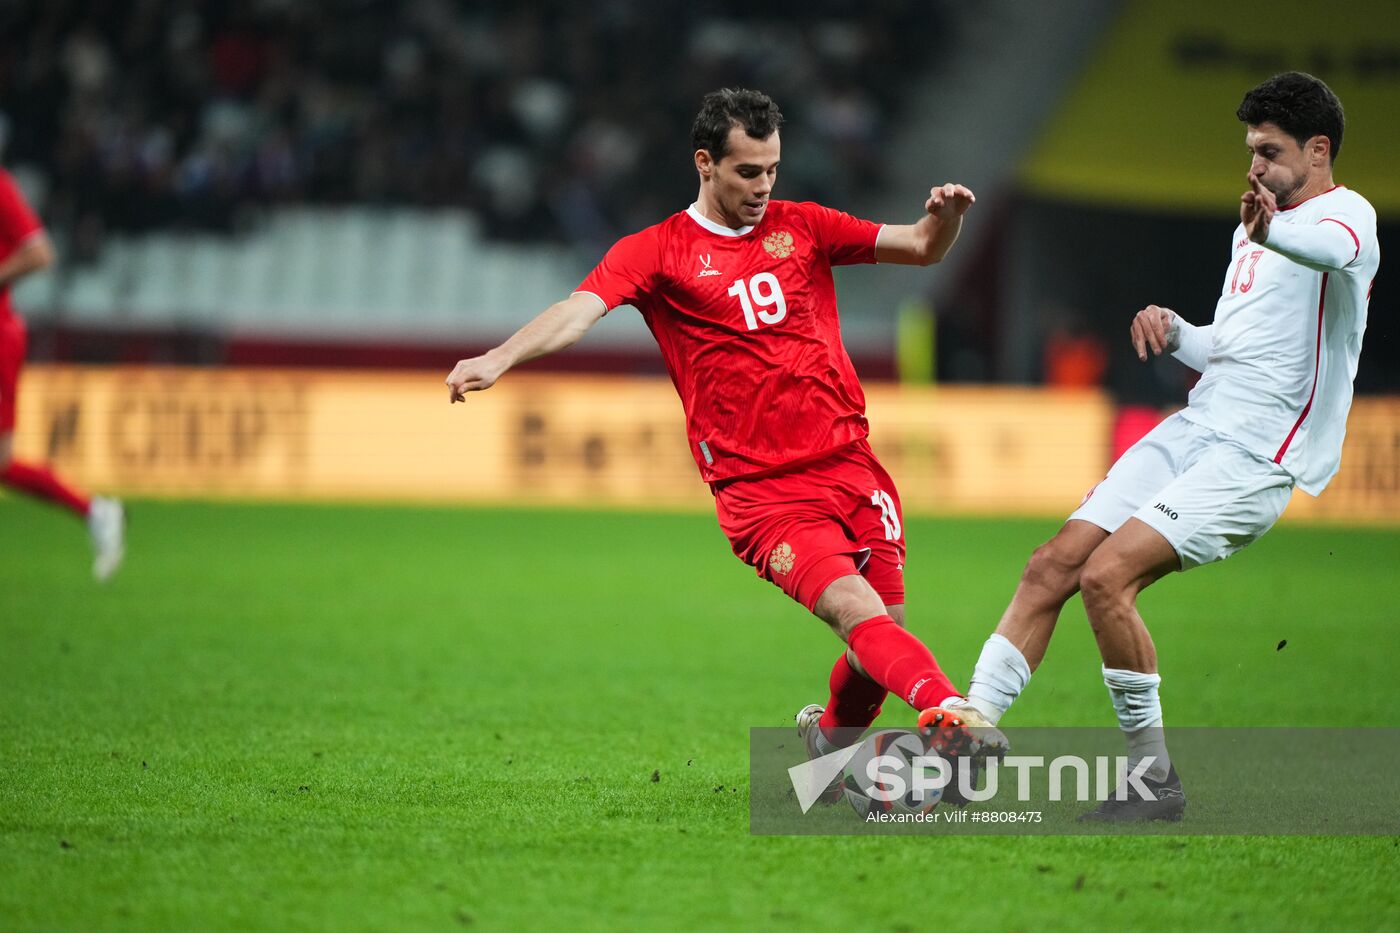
(761, 291)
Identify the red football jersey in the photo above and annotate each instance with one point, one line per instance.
(746, 320)
(17, 224)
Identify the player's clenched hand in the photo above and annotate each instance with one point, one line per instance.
(1155, 329)
(472, 375)
(1257, 207)
(949, 200)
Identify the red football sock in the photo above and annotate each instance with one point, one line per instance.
(41, 482)
(900, 662)
(854, 704)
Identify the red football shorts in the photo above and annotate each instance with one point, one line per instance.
(803, 527)
(12, 341)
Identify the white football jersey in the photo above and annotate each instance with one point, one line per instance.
(1281, 354)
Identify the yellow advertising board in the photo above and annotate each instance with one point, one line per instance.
(1368, 487)
(1151, 120)
(572, 440)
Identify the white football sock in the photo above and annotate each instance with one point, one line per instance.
(1000, 676)
(1139, 712)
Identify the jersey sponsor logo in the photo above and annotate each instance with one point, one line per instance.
(779, 244)
(781, 558)
(705, 266)
(1166, 510)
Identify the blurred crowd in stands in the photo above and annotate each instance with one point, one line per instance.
(554, 120)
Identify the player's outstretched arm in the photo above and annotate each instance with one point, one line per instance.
(1158, 330)
(558, 326)
(928, 241)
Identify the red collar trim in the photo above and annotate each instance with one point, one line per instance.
(1289, 207)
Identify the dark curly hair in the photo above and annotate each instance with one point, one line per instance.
(1299, 104)
(722, 110)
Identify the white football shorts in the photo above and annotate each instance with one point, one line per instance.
(1202, 491)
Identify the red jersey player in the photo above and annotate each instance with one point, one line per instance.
(738, 291)
(25, 248)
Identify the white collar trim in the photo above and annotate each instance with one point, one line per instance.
(695, 215)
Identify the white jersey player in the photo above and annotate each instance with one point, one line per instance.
(1278, 362)
(1268, 414)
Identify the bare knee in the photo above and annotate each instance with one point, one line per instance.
(7, 447)
(1104, 582)
(846, 603)
(1053, 572)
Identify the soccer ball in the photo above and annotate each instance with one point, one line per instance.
(880, 776)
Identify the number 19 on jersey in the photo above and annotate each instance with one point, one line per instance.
(761, 291)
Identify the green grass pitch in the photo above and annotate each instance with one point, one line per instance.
(376, 718)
